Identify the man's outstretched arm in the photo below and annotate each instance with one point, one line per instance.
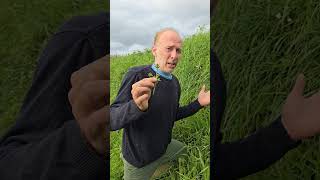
(253, 153)
(190, 109)
(299, 120)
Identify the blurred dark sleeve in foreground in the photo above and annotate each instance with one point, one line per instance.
(246, 156)
(46, 141)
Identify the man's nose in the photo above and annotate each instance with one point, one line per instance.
(174, 54)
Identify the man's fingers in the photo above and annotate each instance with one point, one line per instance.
(203, 88)
(97, 70)
(141, 91)
(147, 82)
(298, 88)
(316, 97)
(98, 122)
(101, 67)
(100, 119)
(152, 79)
(142, 98)
(89, 97)
(138, 91)
(148, 85)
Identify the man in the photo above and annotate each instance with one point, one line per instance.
(146, 108)
(61, 130)
(299, 120)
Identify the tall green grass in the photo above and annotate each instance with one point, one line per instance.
(262, 46)
(192, 71)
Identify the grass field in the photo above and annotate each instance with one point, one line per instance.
(192, 71)
(25, 28)
(262, 46)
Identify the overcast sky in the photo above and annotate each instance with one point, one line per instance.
(134, 23)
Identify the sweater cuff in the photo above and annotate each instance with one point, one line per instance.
(89, 163)
(196, 104)
(136, 109)
(283, 135)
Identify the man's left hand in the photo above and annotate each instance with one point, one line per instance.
(204, 96)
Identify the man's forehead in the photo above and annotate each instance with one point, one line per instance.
(170, 38)
(176, 44)
(173, 44)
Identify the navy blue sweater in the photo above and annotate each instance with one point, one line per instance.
(146, 135)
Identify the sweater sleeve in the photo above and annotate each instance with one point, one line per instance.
(188, 110)
(62, 153)
(253, 153)
(124, 110)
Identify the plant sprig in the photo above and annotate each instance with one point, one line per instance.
(157, 76)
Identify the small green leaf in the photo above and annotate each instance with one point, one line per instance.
(158, 77)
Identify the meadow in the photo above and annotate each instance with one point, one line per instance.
(192, 71)
(262, 46)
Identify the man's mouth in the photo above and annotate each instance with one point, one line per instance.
(172, 64)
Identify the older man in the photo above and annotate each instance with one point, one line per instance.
(147, 107)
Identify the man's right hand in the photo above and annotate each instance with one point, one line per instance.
(89, 99)
(141, 92)
(301, 116)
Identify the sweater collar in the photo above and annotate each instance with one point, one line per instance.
(161, 73)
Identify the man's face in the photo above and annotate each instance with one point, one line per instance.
(167, 51)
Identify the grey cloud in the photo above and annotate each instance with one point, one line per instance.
(134, 23)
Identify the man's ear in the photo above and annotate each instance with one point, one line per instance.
(154, 49)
